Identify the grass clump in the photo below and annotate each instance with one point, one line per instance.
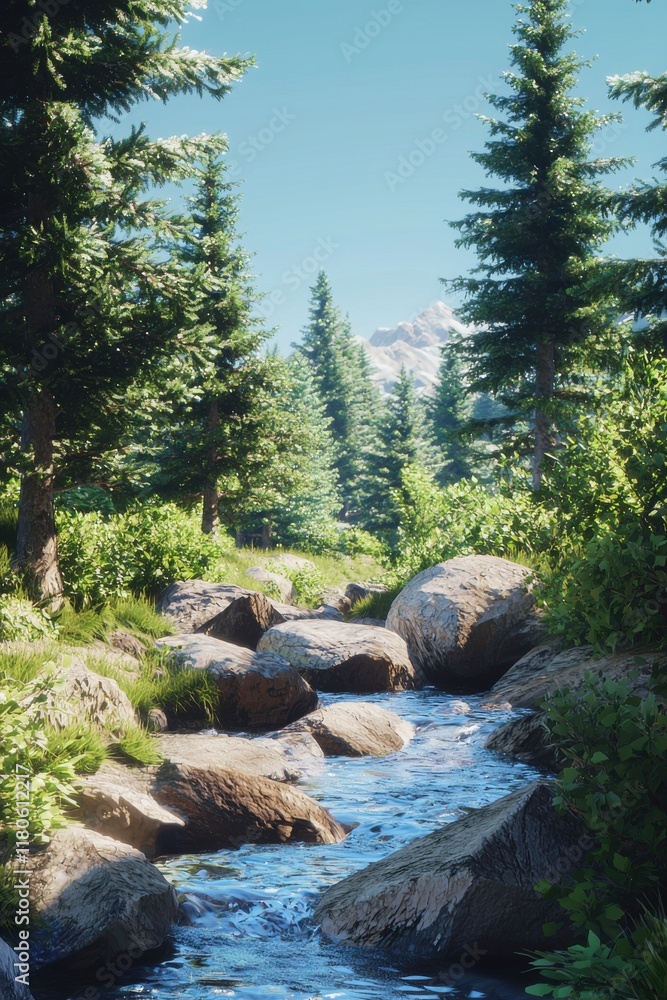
(376, 605)
(136, 747)
(79, 744)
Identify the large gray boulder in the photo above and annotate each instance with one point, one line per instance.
(96, 899)
(12, 967)
(333, 656)
(244, 621)
(212, 792)
(470, 883)
(466, 621)
(80, 695)
(355, 729)
(547, 668)
(255, 689)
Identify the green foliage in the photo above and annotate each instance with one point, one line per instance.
(21, 620)
(607, 488)
(136, 747)
(138, 552)
(80, 745)
(615, 779)
(463, 519)
(309, 586)
(24, 753)
(376, 605)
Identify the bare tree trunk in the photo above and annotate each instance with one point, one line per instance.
(37, 540)
(544, 390)
(210, 523)
(267, 535)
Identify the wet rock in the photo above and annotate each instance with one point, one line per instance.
(546, 668)
(466, 621)
(256, 689)
(244, 621)
(9, 988)
(340, 657)
(283, 587)
(528, 739)
(470, 883)
(97, 899)
(356, 729)
(80, 695)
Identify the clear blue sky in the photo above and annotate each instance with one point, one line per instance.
(318, 128)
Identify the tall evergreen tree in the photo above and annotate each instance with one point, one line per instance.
(342, 377)
(216, 372)
(85, 303)
(448, 413)
(537, 236)
(401, 444)
(644, 282)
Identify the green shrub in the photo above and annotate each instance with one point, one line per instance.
(79, 744)
(21, 620)
(24, 752)
(138, 552)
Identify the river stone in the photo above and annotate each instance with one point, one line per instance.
(256, 689)
(356, 729)
(226, 808)
(528, 739)
(283, 587)
(80, 695)
(9, 988)
(470, 883)
(466, 621)
(96, 899)
(334, 656)
(545, 669)
(244, 621)
(189, 605)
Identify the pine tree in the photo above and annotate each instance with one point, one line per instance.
(209, 398)
(644, 282)
(86, 303)
(537, 236)
(448, 412)
(401, 445)
(342, 377)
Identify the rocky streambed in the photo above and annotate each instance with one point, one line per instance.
(247, 929)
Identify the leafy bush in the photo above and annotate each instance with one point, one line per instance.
(20, 620)
(615, 780)
(24, 752)
(464, 519)
(138, 552)
(615, 745)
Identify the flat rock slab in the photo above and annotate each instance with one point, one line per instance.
(546, 668)
(356, 729)
(262, 757)
(97, 899)
(334, 656)
(466, 621)
(244, 621)
(255, 689)
(468, 884)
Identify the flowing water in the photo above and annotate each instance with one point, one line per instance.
(250, 935)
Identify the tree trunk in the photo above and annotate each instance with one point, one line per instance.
(210, 523)
(267, 535)
(544, 390)
(37, 540)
